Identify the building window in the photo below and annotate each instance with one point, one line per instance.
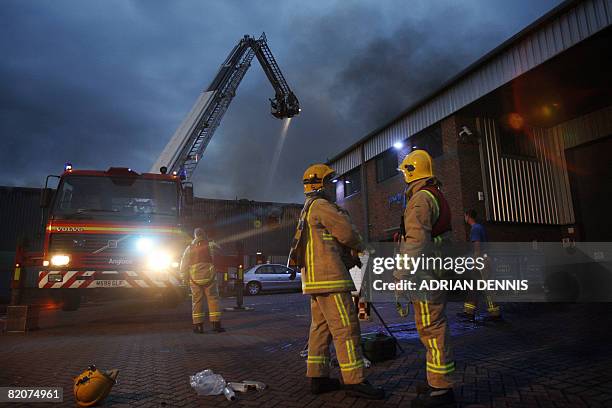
(352, 182)
(518, 143)
(386, 165)
(429, 139)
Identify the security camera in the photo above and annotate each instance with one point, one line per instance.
(466, 135)
(465, 131)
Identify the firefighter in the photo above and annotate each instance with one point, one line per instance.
(478, 235)
(323, 243)
(426, 222)
(197, 261)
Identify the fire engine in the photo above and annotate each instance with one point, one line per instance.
(123, 229)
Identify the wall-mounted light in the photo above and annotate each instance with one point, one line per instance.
(515, 121)
(398, 145)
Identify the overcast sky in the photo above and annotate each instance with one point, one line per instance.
(106, 83)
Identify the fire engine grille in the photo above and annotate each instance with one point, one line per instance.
(111, 251)
(106, 244)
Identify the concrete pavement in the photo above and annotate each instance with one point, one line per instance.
(543, 356)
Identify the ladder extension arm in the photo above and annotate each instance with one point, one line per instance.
(184, 150)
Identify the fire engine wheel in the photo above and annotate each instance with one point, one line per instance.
(71, 300)
(253, 288)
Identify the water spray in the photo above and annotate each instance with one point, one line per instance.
(277, 152)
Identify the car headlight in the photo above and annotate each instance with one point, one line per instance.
(60, 260)
(159, 260)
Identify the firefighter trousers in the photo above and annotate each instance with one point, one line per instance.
(432, 326)
(334, 318)
(211, 292)
(471, 300)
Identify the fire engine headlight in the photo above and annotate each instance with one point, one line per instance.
(144, 244)
(60, 260)
(160, 260)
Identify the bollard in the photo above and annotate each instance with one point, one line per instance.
(240, 287)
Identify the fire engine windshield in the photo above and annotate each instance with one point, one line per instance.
(89, 197)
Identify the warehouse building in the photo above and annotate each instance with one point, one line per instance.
(523, 136)
(264, 230)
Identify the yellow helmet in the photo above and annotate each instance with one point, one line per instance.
(92, 386)
(315, 175)
(416, 165)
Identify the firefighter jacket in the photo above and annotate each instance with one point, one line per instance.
(198, 261)
(426, 218)
(325, 233)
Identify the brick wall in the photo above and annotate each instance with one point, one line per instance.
(384, 215)
(459, 170)
(448, 170)
(352, 204)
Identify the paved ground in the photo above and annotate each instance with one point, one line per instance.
(543, 357)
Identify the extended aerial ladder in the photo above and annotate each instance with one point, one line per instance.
(184, 150)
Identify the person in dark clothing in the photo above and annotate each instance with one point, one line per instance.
(478, 235)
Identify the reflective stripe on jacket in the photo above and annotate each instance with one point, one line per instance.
(421, 213)
(327, 228)
(197, 260)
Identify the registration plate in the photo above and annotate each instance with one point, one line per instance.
(111, 283)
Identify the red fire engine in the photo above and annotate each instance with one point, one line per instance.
(121, 229)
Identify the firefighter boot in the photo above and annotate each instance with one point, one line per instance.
(198, 328)
(320, 385)
(429, 397)
(364, 390)
(217, 327)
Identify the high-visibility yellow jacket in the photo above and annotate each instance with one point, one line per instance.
(421, 213)
(327, 228)
(197, 259)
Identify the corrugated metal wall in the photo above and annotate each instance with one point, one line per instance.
(6, 272)
(533, 191)
(348, 162)
(265, 227)
(553, 37)
(20, 215)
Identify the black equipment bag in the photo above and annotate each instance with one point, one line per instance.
(378, 347)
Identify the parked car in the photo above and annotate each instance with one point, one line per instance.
(271, 277)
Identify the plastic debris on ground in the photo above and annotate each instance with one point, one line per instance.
(208, 383)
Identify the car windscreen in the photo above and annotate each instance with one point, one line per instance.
(91, 197)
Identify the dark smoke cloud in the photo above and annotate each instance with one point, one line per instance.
(107, 83)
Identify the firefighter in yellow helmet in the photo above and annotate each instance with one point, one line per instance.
(426, 222)
(92, 386)
(325, 233)
(197, 261)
